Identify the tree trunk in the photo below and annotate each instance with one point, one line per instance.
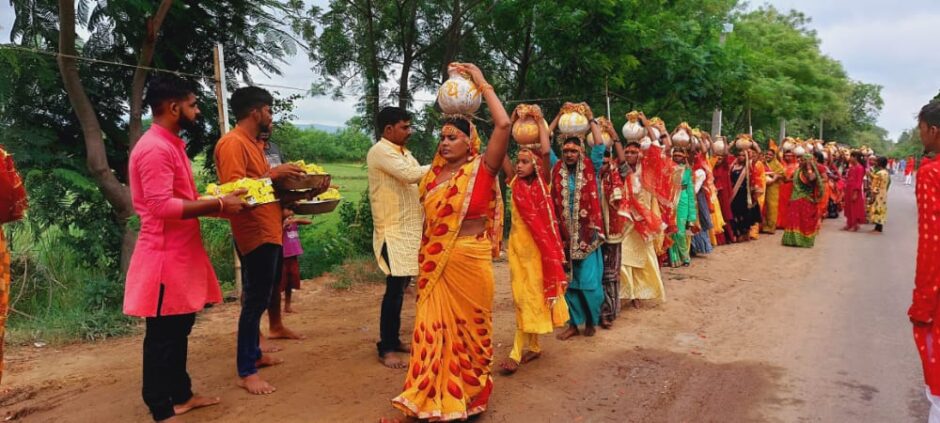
(372, 69)
(526, 60)
(404, 94)
(117, 194)
(407, 16)
(452, 37)
(135, 128)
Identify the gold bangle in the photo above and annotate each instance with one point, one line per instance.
(221, 204)
(485, 87)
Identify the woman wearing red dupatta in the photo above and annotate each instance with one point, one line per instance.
(536, 258)
(449, 371)
(790, 165)
(721, 170)
(639, 266)
(575, 186)
(855, 193)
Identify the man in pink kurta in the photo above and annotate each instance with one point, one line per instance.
(169, 260)
(170, 277)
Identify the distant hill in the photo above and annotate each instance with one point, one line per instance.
(326, 128)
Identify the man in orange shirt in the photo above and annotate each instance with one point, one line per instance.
(257, 232)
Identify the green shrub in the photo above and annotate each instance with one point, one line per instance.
(323, 250)
(68, 200)
(357, 271)
(356, 220)
(217, 239)
(55, 296)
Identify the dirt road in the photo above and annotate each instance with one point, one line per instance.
(754, 332)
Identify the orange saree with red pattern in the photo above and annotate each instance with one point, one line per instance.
(449, 370)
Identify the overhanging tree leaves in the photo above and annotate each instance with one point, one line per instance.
(106, 98)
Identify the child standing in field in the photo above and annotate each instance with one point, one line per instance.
(290, 276)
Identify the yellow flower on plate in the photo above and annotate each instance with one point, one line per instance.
(260, 191)
(330, 194)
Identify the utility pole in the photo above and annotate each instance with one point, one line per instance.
(222, 103)
(820, 128)
(750, 127)
(220, 93)
(607, 93)
(783, 130)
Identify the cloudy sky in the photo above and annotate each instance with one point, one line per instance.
(892, 44)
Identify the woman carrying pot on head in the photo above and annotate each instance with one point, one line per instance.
(686, 210)
(449, 371)
(744, 207)
(576, 199)
(803, 220)
(536, 257)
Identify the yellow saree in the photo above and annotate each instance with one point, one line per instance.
(772, 201)
(533, 313)
(449, 370)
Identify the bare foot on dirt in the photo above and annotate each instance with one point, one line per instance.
(284, 333)
(636, 303)
(256, 386)
(404, 348)
(289, 309)
(589, 331)
(267, 347)
(607, 323)
(509, 366)
(392, 361)
(568, 333)
(530, 356)
(197, 401)
(268, 361)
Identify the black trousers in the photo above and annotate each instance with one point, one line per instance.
(166, 345)
(390, 319)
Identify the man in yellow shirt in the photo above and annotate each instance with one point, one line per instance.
(397, 217)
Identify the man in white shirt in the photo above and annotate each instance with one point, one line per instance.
(398, 218)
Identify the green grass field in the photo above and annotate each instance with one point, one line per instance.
(352, 180)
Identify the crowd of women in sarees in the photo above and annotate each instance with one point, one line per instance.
(591, 230)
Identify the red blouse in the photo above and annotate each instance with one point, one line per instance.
(482, 194)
